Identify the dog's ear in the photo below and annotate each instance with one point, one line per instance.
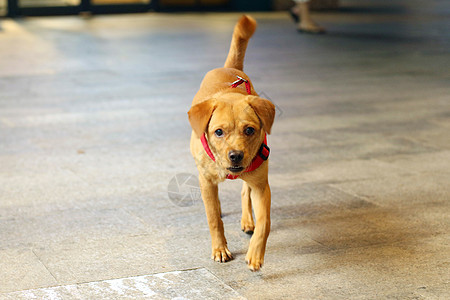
(200, 114)
(265, 111)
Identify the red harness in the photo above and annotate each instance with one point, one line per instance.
(241, 80)
(264, 150)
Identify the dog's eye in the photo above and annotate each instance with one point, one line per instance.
(219, 132)
(249, 131)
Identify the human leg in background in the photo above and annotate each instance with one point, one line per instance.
(301, 14)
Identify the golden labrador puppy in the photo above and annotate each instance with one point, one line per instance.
(228, 141)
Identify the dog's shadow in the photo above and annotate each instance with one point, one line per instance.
(316, 229)
(324, 240)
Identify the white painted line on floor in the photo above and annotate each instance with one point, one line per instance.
(189, 284)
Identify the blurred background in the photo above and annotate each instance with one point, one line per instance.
(58, 7)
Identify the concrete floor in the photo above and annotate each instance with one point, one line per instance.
(94, 135)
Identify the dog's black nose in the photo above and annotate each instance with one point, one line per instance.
(235, 156)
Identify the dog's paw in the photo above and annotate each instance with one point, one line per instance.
(221, 254)
(247, 224)
(247, 227)
(254, 260)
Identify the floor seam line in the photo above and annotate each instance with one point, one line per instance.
(45, 266)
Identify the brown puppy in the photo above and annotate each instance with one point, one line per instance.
(230, 123)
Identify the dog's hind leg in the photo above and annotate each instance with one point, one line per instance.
(247, 223)
(243, 31)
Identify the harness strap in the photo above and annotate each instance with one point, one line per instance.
(241, 80)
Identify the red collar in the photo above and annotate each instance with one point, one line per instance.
(261, 156)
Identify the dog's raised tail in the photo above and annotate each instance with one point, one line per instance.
(243, 31)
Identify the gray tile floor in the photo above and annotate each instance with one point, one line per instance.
(93, 128)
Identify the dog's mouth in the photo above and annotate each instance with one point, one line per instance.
(235, 169)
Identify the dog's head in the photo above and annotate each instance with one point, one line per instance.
(235, 129)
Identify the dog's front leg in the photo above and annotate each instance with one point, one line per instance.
(210, 196)
(260, 196)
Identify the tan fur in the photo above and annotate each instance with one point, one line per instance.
(217, 106)
(243, 31)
